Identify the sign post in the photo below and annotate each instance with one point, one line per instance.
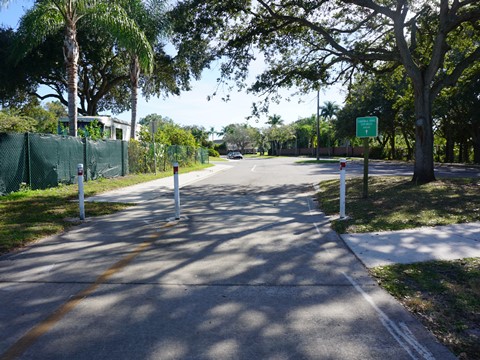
(367, 127)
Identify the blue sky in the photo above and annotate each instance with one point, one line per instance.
(193, 108)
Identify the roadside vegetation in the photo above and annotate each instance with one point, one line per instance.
(396, 203)
(28, 215)
(444, 295)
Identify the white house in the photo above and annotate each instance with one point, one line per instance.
(115, 129)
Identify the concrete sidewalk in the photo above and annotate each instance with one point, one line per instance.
(415, 245)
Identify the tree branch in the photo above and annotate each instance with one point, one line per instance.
(451, 79)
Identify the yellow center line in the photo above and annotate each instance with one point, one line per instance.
(22, 344)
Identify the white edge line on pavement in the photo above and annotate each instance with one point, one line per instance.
(253, 169)
(393, 329)
(405, 337)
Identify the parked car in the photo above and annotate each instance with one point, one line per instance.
(234, 155)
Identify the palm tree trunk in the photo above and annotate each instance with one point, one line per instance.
(70, 53)
(134, 76)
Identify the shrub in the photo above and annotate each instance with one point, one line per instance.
(213, 153)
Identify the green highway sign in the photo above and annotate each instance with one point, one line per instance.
(367, 127)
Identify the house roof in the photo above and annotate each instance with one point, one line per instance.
(106, 120)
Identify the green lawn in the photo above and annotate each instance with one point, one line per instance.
(395, 203)
(444, 295)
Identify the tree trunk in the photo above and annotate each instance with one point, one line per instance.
(134, 76)
(423, 169)
(466, 151)
(476, 145)
(70, 53)
(449, 147)
(392, 139)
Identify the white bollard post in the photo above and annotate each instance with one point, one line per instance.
(176, 191)
(80, 191)
(343, 165)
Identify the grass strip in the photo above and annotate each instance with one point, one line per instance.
(444, 295)
(32, 214)
(395, 203)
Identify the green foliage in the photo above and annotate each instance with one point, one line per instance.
(279, 136)
(56, 108)
(46, 120)
(12, 121)
(390, 98)
(306, 131)
(140, 157)
(31, 117)
(47, 18)
(242, 136)
(304, 49)
(166, 131)
(93, 130)
(329, 110)
(200, 134)
(275, 120)
(220, 147)
(213, 153)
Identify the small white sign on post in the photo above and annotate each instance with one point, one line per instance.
(343, 165)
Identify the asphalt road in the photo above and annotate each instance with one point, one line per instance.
(252, 271)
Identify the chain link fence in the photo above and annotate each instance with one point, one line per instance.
(144, 157)
(40, 161)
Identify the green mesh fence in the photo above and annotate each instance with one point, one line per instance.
(42, 161)
(53, 159)
(106, 158)
(13, 165)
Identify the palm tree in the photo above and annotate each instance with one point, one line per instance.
(152, 20)
(275, 120)
(329, 109)
(48, 17)
(212, 132)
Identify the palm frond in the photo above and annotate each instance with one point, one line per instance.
(41, 21)
(115, 20)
